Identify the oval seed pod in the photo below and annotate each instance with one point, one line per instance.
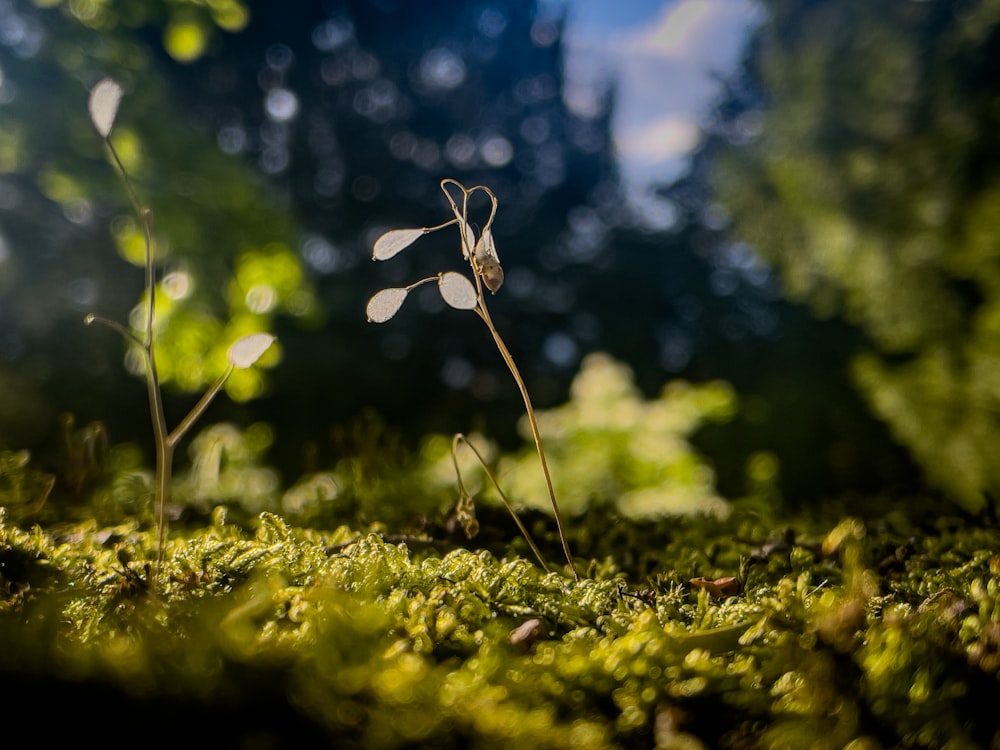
(395, 241)
(483, 249)
(248, 349)
(103, 105)
(489, 262)
(492, 275)
(457, 291)
(384, 304)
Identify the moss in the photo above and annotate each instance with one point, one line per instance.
(843, 634)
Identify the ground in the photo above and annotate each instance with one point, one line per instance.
(867, 630)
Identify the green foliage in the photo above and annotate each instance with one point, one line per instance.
(873, 187)
(609, 444)
(854, 634)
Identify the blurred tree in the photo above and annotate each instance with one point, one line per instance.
(861, 156)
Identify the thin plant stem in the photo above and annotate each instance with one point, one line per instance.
(481, 256)
(164, 446)
(533, 423)
(241, 355)
(198, 409)
(115, 326)
(503, 496)
(484, 314)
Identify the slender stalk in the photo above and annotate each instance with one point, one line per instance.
(533, 423)
(484, 313)
(115, 326)
(164, 460)
(503, 496)
(164, 445)
(482, 257)
(198, 409)
(242, 354)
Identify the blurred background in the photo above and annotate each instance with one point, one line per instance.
(799, 197)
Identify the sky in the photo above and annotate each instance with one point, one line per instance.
(666, 57)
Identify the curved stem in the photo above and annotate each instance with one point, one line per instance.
(503, 496)
(509, 360)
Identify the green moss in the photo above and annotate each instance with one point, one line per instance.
(849, 632)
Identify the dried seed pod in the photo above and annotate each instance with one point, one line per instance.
(457, 291)
(395, 241)
(385, 303)
(492, 275)
(248, 349)
(489, 262)
(103, 105)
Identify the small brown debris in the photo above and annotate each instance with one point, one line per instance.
(720, 588)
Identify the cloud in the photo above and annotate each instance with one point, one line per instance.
(666, 73)
(668, 137)
(699, 32)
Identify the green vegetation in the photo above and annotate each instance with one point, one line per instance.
(699, 623)
(872, 188)
(608, 442)
(838, 637)
(371, 603)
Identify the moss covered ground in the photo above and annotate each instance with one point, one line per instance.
(868, 627)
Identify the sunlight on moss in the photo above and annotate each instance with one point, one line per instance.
(390, 648)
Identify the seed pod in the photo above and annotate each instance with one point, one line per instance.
(489, 262)
(492, 275)
(457, 291)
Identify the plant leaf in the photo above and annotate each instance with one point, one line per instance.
(384, 304)
(394, 241)
(247, 350)
(457, 291)
(103, 105)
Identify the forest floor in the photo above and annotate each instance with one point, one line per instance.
(855, 627)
